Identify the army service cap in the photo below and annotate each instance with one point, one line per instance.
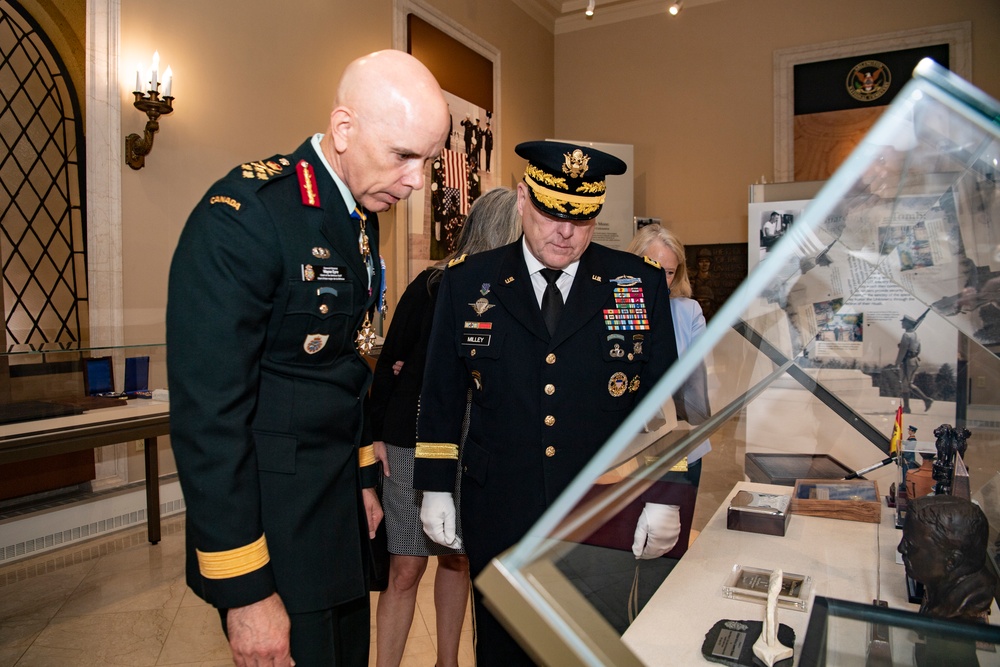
(565, 180)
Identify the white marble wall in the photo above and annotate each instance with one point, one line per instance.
(104, 202)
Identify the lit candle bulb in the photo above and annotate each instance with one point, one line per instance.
(138, 80)
(168, 81)
(153, 80)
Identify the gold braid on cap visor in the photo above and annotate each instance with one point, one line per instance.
(558, 200)
(235, 562)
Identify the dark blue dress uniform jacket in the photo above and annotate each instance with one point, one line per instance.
(541, 406)
(264, 426)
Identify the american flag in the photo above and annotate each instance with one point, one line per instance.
(455, 176)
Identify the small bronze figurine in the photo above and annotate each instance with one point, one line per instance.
(944, 547)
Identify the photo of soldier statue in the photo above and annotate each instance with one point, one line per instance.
(908, 362)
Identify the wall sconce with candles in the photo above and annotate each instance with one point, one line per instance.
(136, 147)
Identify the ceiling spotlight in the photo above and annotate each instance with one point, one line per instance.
(590, 7)
(675, 8)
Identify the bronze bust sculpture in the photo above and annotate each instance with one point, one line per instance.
(944, 547)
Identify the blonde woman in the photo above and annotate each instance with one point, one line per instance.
(659, 243)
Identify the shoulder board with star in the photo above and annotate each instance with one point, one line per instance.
(458, 260)
(652, 262)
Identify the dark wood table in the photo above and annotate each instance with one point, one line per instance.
(139, 419)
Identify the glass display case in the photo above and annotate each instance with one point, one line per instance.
(69, 375)
(845, 633)
(879, 306)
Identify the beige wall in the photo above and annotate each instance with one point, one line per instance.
(249, 85)
(693, 94)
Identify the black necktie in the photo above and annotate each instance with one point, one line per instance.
(552, 299)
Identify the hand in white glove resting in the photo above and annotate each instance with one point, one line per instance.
(657, 531)
(437, 514)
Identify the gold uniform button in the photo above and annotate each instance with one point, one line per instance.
(324, 309)
(550, 451)
(472, 352)
(550, 359)
(550, 420)
(550, 389)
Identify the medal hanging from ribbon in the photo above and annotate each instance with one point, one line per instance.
(365, 340)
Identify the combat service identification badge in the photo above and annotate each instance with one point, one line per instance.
(618, 384)
(314, 343)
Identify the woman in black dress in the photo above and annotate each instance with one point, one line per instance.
(395, 392)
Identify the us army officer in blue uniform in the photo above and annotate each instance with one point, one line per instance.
(272, 289)
(549, 384)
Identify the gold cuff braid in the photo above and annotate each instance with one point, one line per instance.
(437, 450)
(366, 456)
(235, 562)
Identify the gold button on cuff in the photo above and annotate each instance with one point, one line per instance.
(550, 420)
(550, 359)
(324, 309)
(550, 389)
(550, 451)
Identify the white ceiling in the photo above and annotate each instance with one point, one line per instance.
(560, 16)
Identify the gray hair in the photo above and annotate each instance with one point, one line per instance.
(646, 236)
(492, 222)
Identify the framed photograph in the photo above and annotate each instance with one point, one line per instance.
(750, 584)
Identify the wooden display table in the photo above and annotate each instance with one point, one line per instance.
(138, 419)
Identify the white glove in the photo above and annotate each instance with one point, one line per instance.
(657, 531)
(437, 514)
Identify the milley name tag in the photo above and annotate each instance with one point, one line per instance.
(482, 340)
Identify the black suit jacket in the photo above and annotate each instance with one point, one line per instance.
(542, 406)
(266, 386)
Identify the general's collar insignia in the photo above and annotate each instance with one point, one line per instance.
(626, 281)
(481, 306)
(321, 253)
(307, 184)
(283, 161)
(576, 164)
(458, 260)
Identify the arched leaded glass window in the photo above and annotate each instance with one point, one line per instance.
(42, 225)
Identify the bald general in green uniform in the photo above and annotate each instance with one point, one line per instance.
(558, 338)
(272, 290)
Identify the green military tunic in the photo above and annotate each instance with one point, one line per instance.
(268, 290)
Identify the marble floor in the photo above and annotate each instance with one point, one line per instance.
(121, 601)
(118, 600)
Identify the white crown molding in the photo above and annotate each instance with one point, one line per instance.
(544, 11)
(561, 16)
